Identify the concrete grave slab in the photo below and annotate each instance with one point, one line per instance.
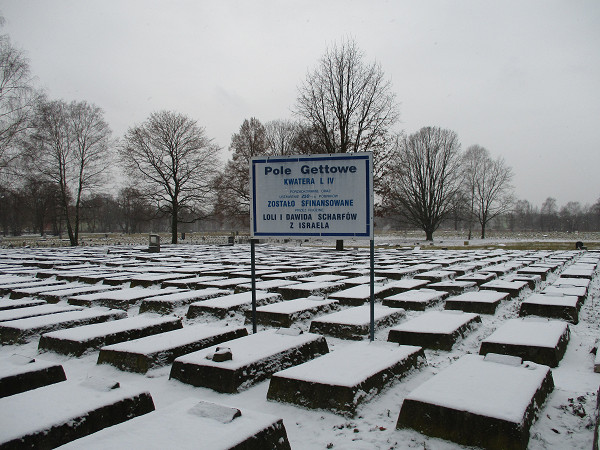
(417, 300)
(358, 295)
(190, 282)
(34, 310)
(434, 329)
(56, 296)
(118, 298)
(435, 276)
(50, 416)
(221, 307)
(285, 314)
(36, 290)
(565, 307)
(513, 288)
(167, 303)
(479, 402)
(355, 323)
(253, 358)
(82, 339)
(453, 286)
(143, 354)
(21, 373)
(539, 340)
(303, 290)
(211, 425)
(478, 277)
(17, 304)
(480, 302)
(342, 380)
(24, 330)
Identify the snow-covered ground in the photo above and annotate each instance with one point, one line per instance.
(566, 421)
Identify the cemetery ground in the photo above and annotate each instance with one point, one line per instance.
(491, 347)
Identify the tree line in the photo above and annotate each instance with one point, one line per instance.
(58, 161)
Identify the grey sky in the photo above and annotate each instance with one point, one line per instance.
(521, 78)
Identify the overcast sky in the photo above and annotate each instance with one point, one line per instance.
(521, 78)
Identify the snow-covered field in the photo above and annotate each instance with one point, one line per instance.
(566, 421)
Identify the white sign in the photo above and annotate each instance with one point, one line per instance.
(312, 196)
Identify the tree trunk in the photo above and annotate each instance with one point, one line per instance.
(482, 231)
(174, 217)
(339, 245)
(429, 235)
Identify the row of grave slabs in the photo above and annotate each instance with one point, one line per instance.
(500, 394)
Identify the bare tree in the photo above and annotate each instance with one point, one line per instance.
(489, 183)
(472, 160)
(233, 184)
(424, 177)
(549, 215)
(17, 98)
(70, 147)
(174, 164)
(349, 104)
(281, 137)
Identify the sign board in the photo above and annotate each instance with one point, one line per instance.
(312, 196)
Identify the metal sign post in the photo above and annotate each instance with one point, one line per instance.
(312, 196)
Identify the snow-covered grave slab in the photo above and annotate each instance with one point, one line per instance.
(254, 358)
(79, 340)
(119, 278)
(535, 270)
(266, 285)
(167, 303)
(7, 288)
(532, 280)
(513, 288)
(560, 290)
(453, 286)
(565, 307)
(480, 302)
(143, 354)
(56, 296)
(435, 276)
(323, 278)
(285, 314)
(488, 402)
(192, 423)
(417, 299)
(191, 282)
(119, 298)
(6, 304)
(539, 340)
(407, 284)
(478, 277)
(54, 415)
(15, 279)
(287, 275)
(225, 283)
(96, 276)
(426, 267)
(577, 272)
(303, 290)
(434, 329)
(33, 310)
(24, 330)
(396, 273)
(342, 380)
(355, 323)
(504, 268)
(36, 290)
(576, 282)
(357, 295)
(464, 268)
(149, 279)
(21, 373)
(222, 307)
